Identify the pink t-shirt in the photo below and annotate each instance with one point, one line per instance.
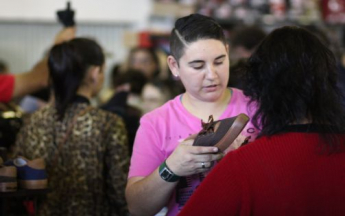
(159, 134)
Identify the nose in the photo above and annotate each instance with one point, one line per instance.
(211, 72)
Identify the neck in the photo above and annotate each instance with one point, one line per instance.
(202, 109)
(85, 92)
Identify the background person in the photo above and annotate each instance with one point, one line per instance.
(85, 148)
(242, 44)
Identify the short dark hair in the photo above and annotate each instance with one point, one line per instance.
(293, 76)
(191, 28)
(68, 64)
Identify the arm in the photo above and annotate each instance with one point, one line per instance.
(139, 192)
(117, 163)
(65, 34)
(26, 83)
(185, 160)
(37, 77)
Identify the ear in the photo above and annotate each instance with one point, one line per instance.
(227, 48)
(173, 66)
(94, 73)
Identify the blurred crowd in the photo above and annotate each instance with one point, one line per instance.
(138, 86)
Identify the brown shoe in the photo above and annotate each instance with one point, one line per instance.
(221, 133)
(8, 179)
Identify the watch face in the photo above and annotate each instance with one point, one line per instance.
(165, 174)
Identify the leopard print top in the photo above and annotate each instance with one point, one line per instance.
(88, 176)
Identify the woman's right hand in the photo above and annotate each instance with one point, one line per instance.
(187, 159)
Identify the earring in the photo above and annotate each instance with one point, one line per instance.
(175, 75)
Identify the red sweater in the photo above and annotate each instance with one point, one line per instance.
(282, 175)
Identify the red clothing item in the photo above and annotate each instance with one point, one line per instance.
(285, 174)
(6, 87)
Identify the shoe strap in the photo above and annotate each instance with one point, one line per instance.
(207, 127)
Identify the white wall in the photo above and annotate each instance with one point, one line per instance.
(28, 27)
(133, 11)
(23, 44)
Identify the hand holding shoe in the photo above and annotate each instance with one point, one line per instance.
(187, 159)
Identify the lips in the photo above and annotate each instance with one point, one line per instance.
(211, 88)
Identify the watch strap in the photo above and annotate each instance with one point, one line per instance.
(166, 174)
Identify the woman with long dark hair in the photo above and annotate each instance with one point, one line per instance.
(85, 148)
(296, 166)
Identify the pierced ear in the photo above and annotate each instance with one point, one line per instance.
(173, 65)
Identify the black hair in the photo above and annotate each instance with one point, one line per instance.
(191, 28)
(293, 76)
(68, 64)
(152, 53)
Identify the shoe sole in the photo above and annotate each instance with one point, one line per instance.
(8, 186)
(33, 184)
(233, 132)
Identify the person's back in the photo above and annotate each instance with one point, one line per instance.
(76, 168)
(284, 175)
(85, 148)
(295, 167)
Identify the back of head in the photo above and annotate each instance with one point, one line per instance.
(248, 37)
(191, 28)
(149, 63)
(68, 64)
(135, 78)
(292, 76)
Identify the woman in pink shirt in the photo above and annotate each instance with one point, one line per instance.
(166, 168)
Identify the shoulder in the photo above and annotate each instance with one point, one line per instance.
(42, 115)
(266, 148)
(239, 95)
(104, 114)
(105, 117)
(242, 102)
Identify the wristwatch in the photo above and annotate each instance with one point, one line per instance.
(166, 174)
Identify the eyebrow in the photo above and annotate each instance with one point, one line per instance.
(201, 61)
(219, 57)
(196, 62)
